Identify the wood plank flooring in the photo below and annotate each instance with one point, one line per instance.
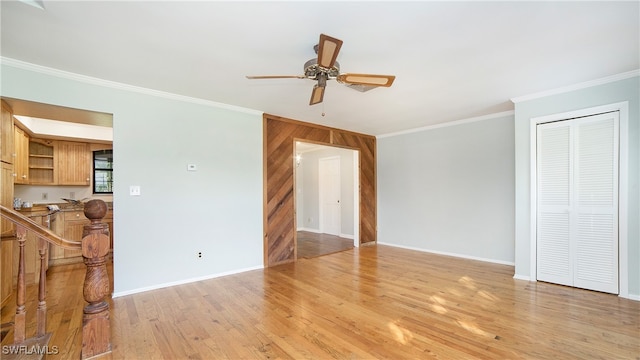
(312, 245)
(372, 302)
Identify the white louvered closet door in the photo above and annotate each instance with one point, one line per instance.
(577, 202)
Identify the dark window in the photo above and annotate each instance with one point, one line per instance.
(103, 172)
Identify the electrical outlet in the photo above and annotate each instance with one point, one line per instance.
(199, 255)
(45, 196)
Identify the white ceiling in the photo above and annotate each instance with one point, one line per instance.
(452, 60)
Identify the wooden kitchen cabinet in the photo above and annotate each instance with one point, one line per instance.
(21, 156)
(74, 222)
(42, 155)
(7, 237)
(54, 162)
(6, 134)
(56, 253)
(6, 268)
(70, 225)
(74, 163)
(6, 229)
(6, 195)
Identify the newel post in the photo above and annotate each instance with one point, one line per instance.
(96, 331)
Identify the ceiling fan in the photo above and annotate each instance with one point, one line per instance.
(325, 67)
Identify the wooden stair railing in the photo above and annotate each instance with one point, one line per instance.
(96, 333)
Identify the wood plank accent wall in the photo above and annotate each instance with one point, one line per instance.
(279, 205)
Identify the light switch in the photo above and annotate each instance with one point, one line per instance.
(134, 190)
(192, 167)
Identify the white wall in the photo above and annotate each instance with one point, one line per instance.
(450, 189)
(216, 210)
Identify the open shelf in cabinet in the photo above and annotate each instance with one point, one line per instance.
(41, 163)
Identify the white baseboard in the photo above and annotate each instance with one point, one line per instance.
(181, 282)
(521, 277)
(450, 254)
(316, 231)
(635, 297)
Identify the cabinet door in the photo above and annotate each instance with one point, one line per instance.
(21, 160)
(74, 163)
(57, 252)
(74, 222)
(6, 267)
(6, 247)
(6, 135)
(6, 195)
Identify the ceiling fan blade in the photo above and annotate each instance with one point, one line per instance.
(316, 95)
(328, 49)
(276, 77)
(366, 79)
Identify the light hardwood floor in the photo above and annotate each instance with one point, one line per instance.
(373, 302)
(311, 244)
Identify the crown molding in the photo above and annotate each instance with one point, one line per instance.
(583, 85)
(449, 123)
(120, 86)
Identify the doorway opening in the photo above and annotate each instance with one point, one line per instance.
(326, 199)
(83, 133)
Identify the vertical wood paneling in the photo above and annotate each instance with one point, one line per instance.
(279, 206)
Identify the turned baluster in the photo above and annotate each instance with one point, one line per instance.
(21, 312)
(42, 289)
(96, 333)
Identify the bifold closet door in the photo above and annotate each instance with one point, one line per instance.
(577, 202)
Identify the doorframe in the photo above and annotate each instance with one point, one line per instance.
(623, 186)
(356, 191)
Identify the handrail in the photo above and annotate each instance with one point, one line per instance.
(96, 333)
(42, 233)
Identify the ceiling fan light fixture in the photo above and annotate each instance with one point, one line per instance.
(361, 87)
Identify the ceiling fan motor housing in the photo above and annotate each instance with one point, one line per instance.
(312, 70)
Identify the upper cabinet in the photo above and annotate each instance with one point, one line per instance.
(21, 156)
(74, 163)
(42, 162)
(41, 159)
(54, 162)
(6, 134)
